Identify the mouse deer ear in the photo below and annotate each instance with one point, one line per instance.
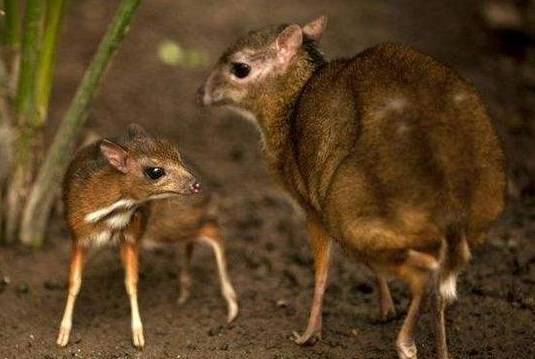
(288, 42)
(315, 28)
(115, 154)
(134, 130)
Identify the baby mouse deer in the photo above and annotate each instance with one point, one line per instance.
(390, 153)
(104, 190)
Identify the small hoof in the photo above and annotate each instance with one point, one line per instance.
(137, 338)
(232, 303)
(182, 298)
(185, 288)
(306, 338)
(387, 315)
(232, 311)
(407, 351)
(63, 337)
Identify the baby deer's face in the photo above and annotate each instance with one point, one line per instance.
(255, 62)
(148, 168)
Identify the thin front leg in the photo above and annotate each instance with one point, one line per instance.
(75, 282)
(185, 276)
(129, 254)
(405, 341)
(386, 305)
(211, 235)
(321, 244)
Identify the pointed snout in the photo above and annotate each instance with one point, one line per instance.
(185, 182)
(204, 96)
(200, 96)
(196, 187)
(207, 94)
(191, 186)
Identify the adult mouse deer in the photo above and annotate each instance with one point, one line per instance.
(104, 190)
(390, 153)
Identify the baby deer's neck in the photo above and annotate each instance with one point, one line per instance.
(122, 204)
(108, 198)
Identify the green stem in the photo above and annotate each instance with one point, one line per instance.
(45, 71)
(45, 188)
(2, 20)
(12, 23)
(4, 95)
(25, 100)
(25, 115)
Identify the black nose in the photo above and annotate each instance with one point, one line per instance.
(199, 95)
(196, 187)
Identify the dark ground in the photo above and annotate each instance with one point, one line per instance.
(267, 248)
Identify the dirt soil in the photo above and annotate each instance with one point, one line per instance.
(269, 259)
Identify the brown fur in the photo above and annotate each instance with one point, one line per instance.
(92, 183)
(179, 220)
(187, 223)
(390, 151)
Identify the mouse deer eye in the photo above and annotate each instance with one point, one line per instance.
(154, 173)
(240, 69)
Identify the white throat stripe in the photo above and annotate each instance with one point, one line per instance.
(100, 213)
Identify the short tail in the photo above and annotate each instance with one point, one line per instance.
(455, 254)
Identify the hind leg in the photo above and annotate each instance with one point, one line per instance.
(418, 270)
(386, 304)
(439, 304)
(455, 257)
(185, 276)
(211, 235)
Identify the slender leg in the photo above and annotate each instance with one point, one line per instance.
(210, 234)
(386, 304)
(129, 254)
(418, 270)
(321, 248)
(405, 341)
(440, 306)
(75, 282)
(185, 276)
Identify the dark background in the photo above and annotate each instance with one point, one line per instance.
(490, 43)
